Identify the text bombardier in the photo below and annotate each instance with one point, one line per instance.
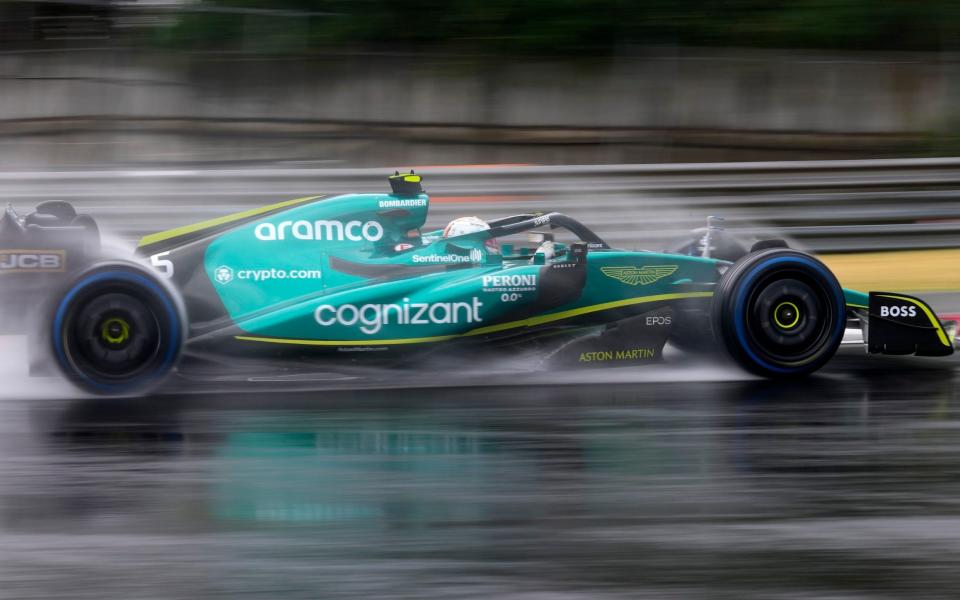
(372, 317)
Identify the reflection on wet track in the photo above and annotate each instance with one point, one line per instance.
(844, 486)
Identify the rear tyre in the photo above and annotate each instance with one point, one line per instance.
(117, 330)
(779, 313)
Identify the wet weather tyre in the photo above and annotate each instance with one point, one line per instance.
(779, 313)
(117, 330)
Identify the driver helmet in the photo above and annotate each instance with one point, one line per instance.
(465, 225)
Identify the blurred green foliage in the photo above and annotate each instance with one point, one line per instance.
(567, 26)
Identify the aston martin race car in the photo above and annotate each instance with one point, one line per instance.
(355, 278)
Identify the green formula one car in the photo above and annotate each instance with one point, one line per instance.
(354, 279)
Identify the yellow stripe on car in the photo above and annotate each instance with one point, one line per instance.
(394, 342)
(531, 322)
(188, 229)
(540, 320)
(933, 318)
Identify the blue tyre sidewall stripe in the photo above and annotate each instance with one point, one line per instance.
(172, 316)
(740, 326)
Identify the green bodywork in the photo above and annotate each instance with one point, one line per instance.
(355, 270)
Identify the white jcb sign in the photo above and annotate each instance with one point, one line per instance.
(333, 231)
(28, 261)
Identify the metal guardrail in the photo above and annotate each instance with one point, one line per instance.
(852, 205)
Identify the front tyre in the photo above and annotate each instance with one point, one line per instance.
(779, 313)
(117, 330)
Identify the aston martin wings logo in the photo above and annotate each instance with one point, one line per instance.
(639, 276)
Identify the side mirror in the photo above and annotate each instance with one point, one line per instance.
(578, 252)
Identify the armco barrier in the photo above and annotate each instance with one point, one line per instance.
(823, 205)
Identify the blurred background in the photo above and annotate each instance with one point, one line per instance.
(220, 105)
(832, 123)
(431, 82)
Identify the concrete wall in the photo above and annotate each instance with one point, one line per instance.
(124, 104)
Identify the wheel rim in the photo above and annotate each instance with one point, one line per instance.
(116, 331)
(789, 317)
(114, 336)
(786, 315)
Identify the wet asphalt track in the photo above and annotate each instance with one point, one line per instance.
(843, 486)
(670, 482)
